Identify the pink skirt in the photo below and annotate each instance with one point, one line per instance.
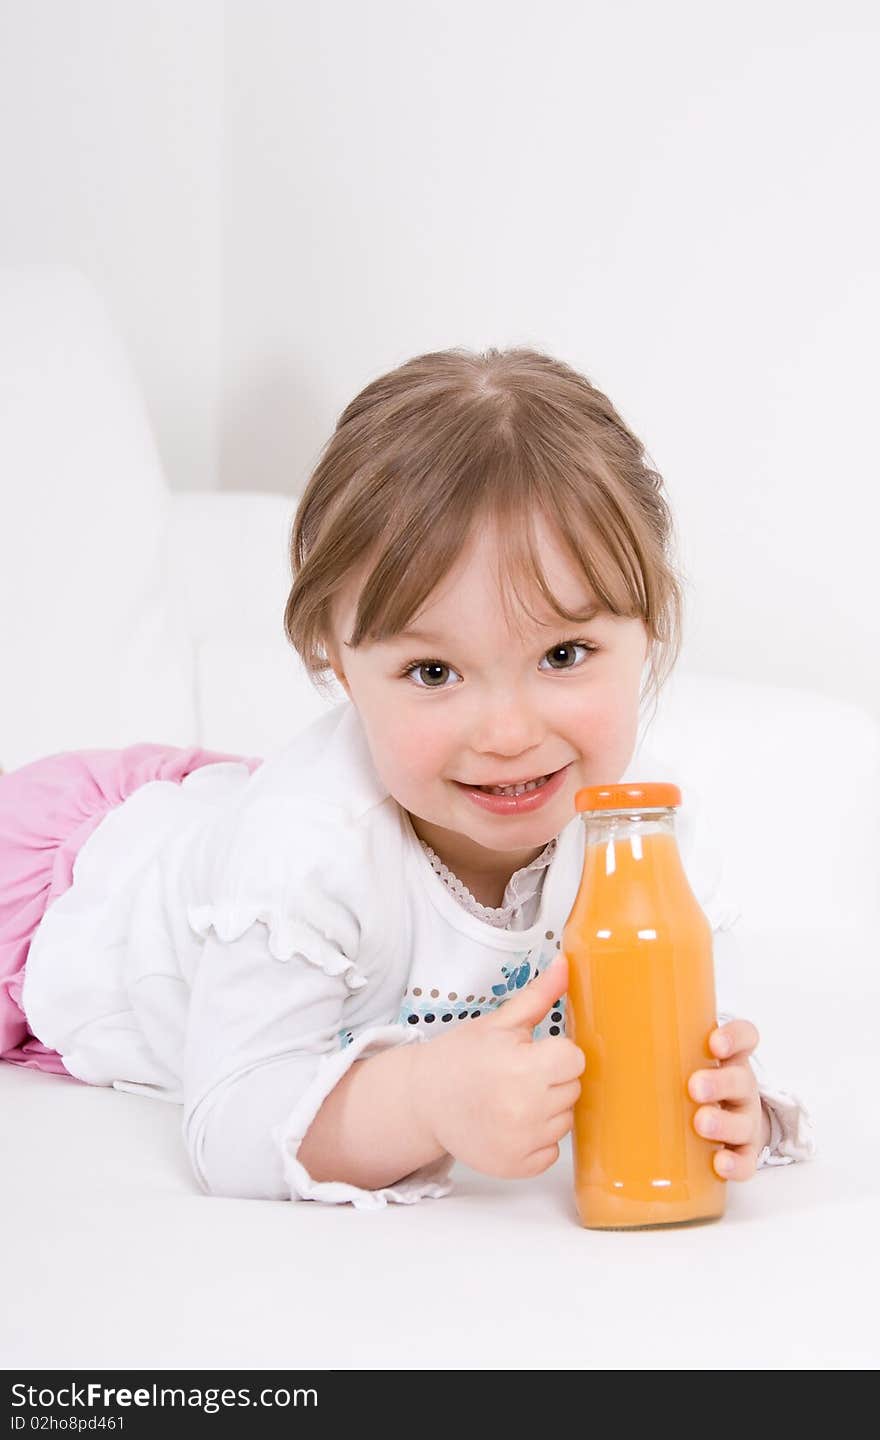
(48, 809)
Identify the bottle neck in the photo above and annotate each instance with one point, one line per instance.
(632, 871)
(600, 826)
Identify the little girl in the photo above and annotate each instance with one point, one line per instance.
(482, 558)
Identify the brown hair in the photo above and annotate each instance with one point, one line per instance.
(452, 440)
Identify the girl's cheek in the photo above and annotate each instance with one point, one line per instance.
(411, 754)
(607, 731)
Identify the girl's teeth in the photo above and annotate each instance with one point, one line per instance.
(515, 789)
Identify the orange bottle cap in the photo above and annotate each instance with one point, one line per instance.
(627, 797)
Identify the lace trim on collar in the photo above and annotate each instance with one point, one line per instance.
(520, 887)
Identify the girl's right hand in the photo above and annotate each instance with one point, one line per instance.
(494, 1097)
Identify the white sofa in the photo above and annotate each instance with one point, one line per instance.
(133, 613)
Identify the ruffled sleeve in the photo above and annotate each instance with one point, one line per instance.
(287, 929)
(262, 1054)
(286, 936)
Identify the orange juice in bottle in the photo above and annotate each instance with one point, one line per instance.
(641, 1005)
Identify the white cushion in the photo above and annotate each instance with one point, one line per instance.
(89, 652)
(229, 577)
(790, 779)
(254, 697)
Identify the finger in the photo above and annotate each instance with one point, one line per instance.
(526, 1008)
(743, 1161)
(737, 1037)
(558, 1059)
(729, 1082)
(734, 1127)
(540, 1160)
(558, 1125)
(562, 1097)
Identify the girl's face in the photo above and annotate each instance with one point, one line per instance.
(483, 706)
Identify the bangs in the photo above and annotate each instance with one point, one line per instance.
(417, 555)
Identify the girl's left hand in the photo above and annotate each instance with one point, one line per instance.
(737, 1117)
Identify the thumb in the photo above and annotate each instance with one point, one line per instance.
(528, 1008)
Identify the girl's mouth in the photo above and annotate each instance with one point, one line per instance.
(519, 799)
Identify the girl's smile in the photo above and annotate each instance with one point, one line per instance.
(517, 804)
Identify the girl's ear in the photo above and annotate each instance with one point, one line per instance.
(336, 666)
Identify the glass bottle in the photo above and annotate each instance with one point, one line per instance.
(641, 1005)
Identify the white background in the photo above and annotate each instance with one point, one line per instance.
(282, 200)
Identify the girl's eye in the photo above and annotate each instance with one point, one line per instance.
(431, 667)
(570, 645)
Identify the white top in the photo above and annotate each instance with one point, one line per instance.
(233, 942)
